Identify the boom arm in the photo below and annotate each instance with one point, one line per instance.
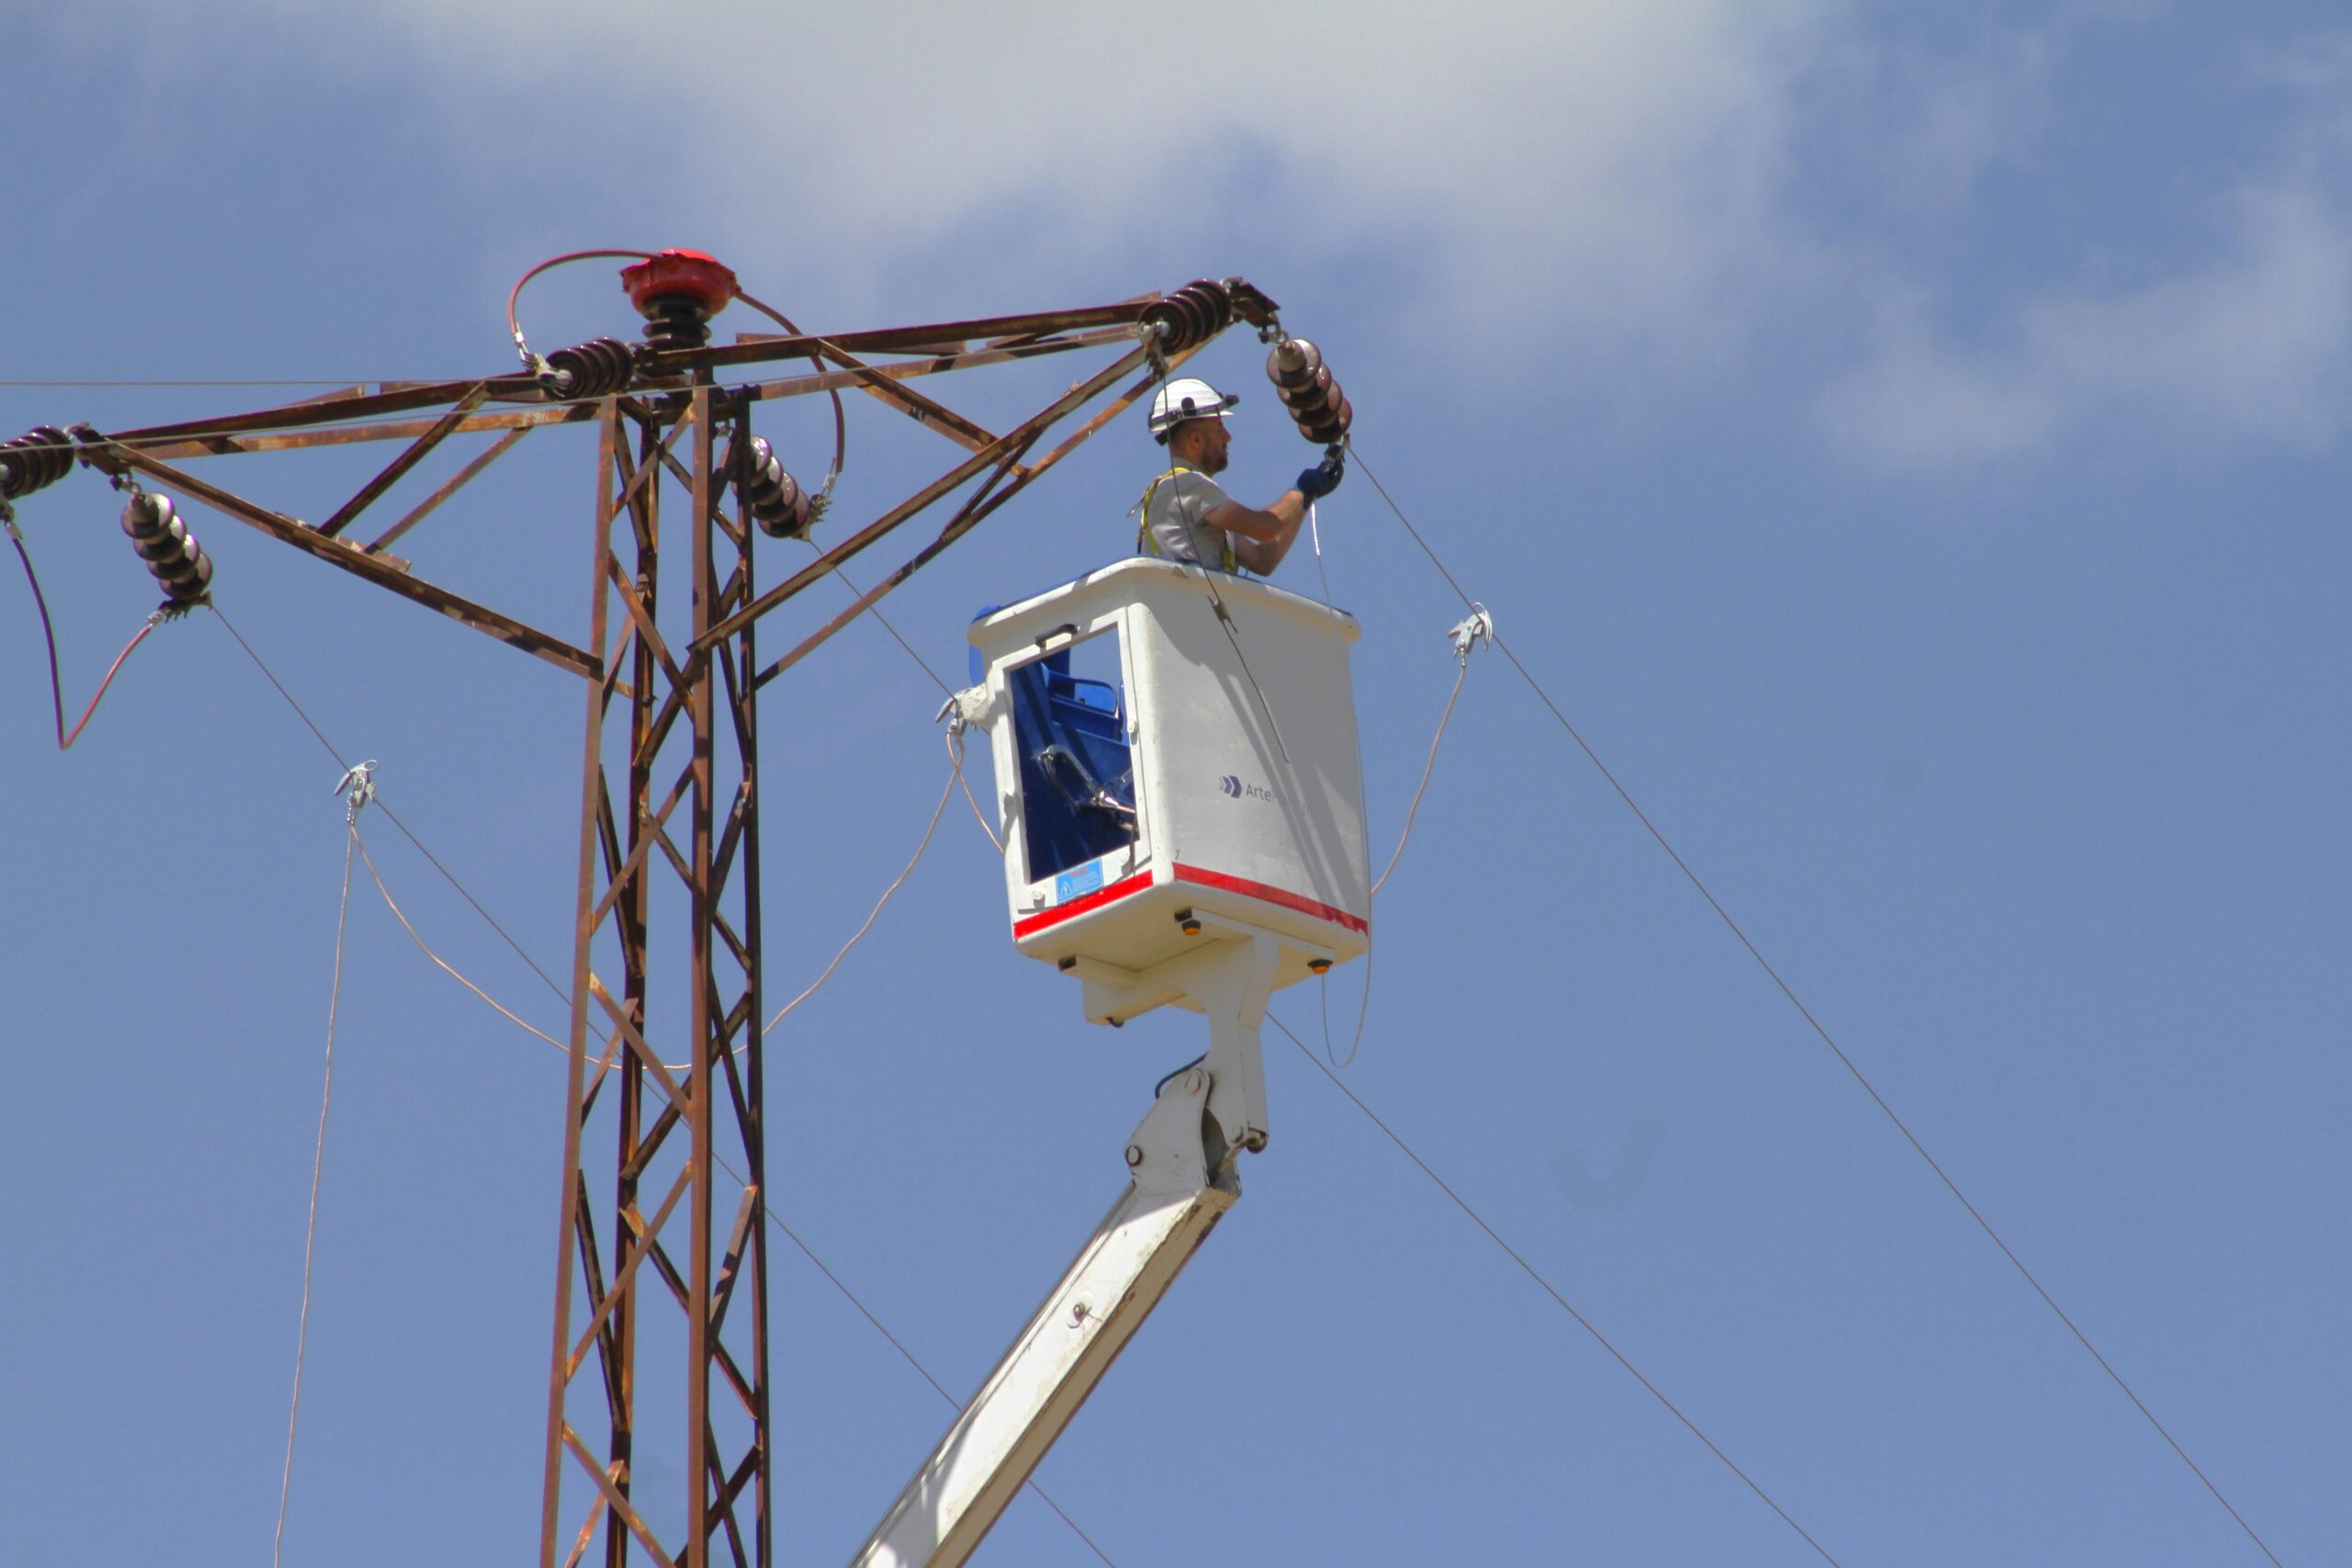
(1118, 1278)
(1181, 1155)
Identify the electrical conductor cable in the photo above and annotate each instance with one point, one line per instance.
(1815, 1025)
(1552, 1290)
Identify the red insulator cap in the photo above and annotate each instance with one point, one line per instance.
(691, 274)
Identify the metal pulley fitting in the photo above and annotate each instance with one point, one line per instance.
(1308, 391)
(38, 458)
(677, 292)
(1191, 316)
(595, 369)
(774, 497)
(170, 551)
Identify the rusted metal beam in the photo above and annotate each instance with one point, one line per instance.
(464, 477)
(326, 411)
(359, 563)
(178, 447)
(648, 1235)
(678, 652)
(613, 1497)
(198, 439)
(944, 337)
(963, 523)
(594, 804)
(394, 470)
(633, 1038)
(906, 400)
(1078, 395)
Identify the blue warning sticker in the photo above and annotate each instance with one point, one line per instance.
(1072, 883)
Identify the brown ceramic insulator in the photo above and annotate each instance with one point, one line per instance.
(146, 515)
(1195, 322)
(1293, 361)
(38, 458)
(1190, 315)
(595, 369)
(774, 497)
(1332, 426)
(187, 591)
(676, 320)
(170, 551)
(1172, 320)
(164, 545)
(1215, 301)
(1303, 396)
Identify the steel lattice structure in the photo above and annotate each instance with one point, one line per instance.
(666, 1242)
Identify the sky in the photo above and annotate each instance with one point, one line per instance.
(1905, 442)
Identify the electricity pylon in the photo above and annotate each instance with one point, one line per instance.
(665, 1070)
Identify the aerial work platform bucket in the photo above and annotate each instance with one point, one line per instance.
(1170, 742)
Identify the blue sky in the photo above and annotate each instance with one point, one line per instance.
(1909, 448)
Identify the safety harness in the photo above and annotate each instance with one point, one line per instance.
(1146, 544)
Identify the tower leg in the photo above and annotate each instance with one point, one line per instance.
(669, 1072)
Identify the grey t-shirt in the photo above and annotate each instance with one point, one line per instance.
(1176, 519)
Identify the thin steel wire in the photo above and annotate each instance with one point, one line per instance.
(1552, 1290)
(1835, 1049)
(311, 1229)
(875, 610)
(390, 816)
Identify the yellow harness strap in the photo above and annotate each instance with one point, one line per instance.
(1146, 544)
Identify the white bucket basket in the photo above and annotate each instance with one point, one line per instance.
(1148, 767)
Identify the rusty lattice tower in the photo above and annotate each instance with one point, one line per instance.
(661, 1284)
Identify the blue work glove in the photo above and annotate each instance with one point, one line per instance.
(1320, 480)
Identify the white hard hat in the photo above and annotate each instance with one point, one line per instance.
(1186, 397)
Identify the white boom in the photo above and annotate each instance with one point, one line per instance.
(1182, 1158)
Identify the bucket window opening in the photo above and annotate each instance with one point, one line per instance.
(1070, 723)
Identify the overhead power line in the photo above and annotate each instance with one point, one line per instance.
(1835, 1049)
(1552, 1291)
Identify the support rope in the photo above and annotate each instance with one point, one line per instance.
(956, 755)
(936, 812)
(311, 1229)
(438, 962)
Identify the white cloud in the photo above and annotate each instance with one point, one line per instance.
(1609, 189)
(1969, 115)
(1608, 170)
(2249, 345)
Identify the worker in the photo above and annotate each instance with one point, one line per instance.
(1188, 517)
